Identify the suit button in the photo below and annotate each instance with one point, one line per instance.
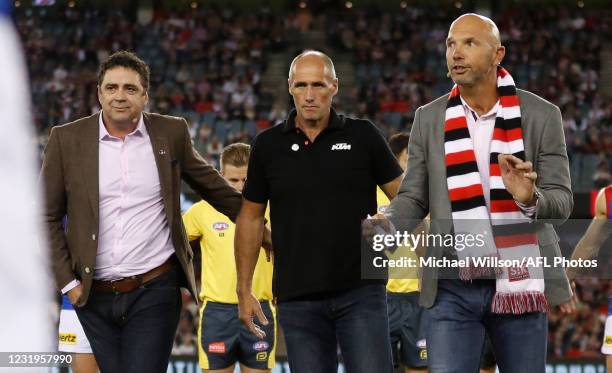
(93, 237)
(87, 270)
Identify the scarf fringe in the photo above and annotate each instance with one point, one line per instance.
(519, 303)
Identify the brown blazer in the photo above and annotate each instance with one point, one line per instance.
(70, 177)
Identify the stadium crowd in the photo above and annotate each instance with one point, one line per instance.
(207, 66)
(553, 52)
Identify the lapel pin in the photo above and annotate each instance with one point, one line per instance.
(162, 152)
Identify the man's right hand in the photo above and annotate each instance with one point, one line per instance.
(377, 225)
(75, 296)
(249, 308)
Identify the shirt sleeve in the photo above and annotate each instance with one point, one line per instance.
(191, 222)
(528, 211)
(71, 285)
(386, 167)
(256, 188)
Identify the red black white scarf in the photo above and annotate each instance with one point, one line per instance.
(518, 290)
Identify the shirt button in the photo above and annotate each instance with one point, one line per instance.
(87, 270)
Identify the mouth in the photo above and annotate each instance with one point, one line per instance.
(310, 107)
(121, 108)
(459, 69)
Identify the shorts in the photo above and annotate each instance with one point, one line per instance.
(71, 337)
(606, 347)
(407, 329)
(223, 340)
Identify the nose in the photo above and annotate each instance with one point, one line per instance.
(457, 52)
(120, 95)
(240, 186)
(309, 94)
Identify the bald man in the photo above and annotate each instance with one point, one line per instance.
(484, 158)
(319, 172)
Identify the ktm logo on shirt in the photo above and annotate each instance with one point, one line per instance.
(341, 146)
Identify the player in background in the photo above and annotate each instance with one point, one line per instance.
(72, 339)
(588, 248)
(405, 315)
(222, 339)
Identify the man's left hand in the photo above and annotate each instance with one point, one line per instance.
(518, 177)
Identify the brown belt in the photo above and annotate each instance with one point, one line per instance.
(125, 285)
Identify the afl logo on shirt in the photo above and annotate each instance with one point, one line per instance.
(220, 226)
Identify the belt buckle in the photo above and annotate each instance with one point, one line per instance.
(113, 286)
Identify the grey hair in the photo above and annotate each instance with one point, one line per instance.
(329, 64)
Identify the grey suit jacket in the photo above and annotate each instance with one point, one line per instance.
(70, 176)
(424, 189)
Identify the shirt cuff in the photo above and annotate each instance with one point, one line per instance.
(528, 211)
(71, 285)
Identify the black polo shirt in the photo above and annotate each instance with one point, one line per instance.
(318, 193)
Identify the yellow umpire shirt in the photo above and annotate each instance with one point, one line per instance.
(216, 234)
(406, 280)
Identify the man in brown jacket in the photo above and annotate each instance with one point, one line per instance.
(122, 252)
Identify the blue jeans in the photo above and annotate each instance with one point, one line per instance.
(355, 319)
(456, 326)
(133, 332)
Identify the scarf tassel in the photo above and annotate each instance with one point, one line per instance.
(520, 302)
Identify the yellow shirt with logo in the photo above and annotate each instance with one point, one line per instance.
(216, 234)
(401, 280)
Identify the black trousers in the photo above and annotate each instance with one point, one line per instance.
(133, 332)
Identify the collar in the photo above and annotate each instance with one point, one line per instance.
(140, 130)
(335, 122)
(469, 110)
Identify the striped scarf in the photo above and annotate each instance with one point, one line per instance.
(518, 289)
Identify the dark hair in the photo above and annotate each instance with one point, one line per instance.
(128, 60)
(398, 143)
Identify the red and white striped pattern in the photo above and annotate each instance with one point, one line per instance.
(513, 235)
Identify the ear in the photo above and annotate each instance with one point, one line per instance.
(289, 86)
(99, 94)
(499, 54)
(335, 84)
(146, 93)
